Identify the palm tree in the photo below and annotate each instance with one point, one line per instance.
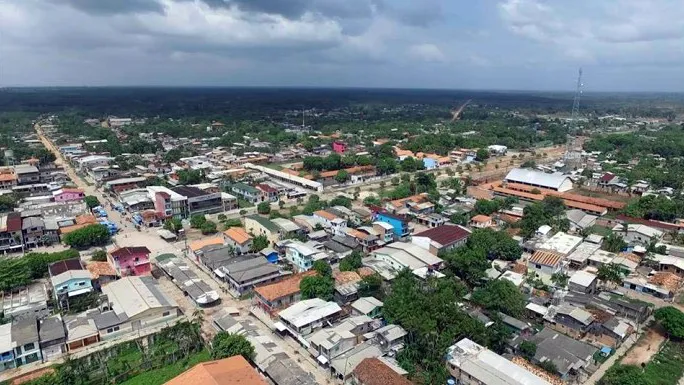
(198, 316)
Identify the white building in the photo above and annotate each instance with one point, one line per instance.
(92, 161)
(470, 363)
(555, 181)
(638, 234)
(304, 317)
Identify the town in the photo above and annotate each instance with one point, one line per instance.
(143, 250)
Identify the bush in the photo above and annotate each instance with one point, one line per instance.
(91, 201)
(208, 227)
(99, 256)
(264, 208)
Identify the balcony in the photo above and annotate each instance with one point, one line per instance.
(141, 262)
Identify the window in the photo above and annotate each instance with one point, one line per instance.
(110, 330)
(166, 314)
(81, 284)
(116, 328)
(537, 266)
(30, 346)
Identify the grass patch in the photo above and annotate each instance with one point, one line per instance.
(273, 166)
(600, 230)
(665, 368)
(166, 373)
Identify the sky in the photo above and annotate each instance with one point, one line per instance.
(622, 45)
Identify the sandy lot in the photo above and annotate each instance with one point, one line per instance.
(645, 348)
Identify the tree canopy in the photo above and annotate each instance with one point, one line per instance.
(352, 261)
(91, 235)
(672, 320)
(225, 345)
(550, 211)
(500, 295)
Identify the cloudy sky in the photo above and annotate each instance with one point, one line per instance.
(623, 45)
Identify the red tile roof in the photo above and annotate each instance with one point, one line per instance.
(130, 251)
(546, 258)
(372, 371)
(445, 235)
(228, 371)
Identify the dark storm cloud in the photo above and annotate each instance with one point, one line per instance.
(112, 7)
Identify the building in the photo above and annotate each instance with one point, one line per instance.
(373, 371)
(441, 238)
(168, 203)
(33, 231)
(637, 234)
(530, 177)
(307, 316)
(269, 192)
(200, 202)
(30, 300)
(390, 338)
(27, 174)
(583, 282)
(25, 338)
(303, 255)
(69, 278)
(335, 224)
(328, 343)
(368, 306)
(344, 365)
(579, 220)
(52, 337)
(131, 260)
(569, 320)
(228, 371)
(401, 256)
(567, 354)
(276, 296)
(125, 184)
(187, 280)
(481, 221)
(287, 227)
(8, 178)
(244, 275)
(6, 348)
(257, 225)
(247, 192)
(673, 265)
(470, 363)
(288, 178)
(11, 237)
(238, 238)
(339, 147)
(400, 225)
(101, 273)
(545, 262)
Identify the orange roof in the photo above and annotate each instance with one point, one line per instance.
(5, 177)
(546, 258)
(290, 171)
(569, 196)
(283, 288)
(365, 271)
(205, 242)
(238, 234)
(401, 152)
(372, 371)
(97, 269)
(357, 234)
(326, 215)
(507, 191)
(351, 170)
(72, 228)
(228, 371)
(584, 206)
(481, 218)
(346, 277)
(72, 190)
(418, 198)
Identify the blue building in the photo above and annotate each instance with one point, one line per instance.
(6, 348)
(430, 163)
(69, 279)
(400, 224)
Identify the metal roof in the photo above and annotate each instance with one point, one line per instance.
(537, 178)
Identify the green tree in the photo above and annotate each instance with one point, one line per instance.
(8, 202)
(91, 235)
(99, 255)
(372, 200)
(341, 200)
(468, 264)
(322, 268)
(264, 207)
(371, 286)
(196, 221)
(173, 224)
(208, 227)
(482, 154)
(259, 243)
(550, 367)
(560, 279)
(500, 295)
(91, 201)
(623, 375)
(494, 244)
(222, 217)
(186, 177)
(610, 272)
(342, 176)
(317, 286)
(225, 345)
(352, 261)
(173, 155)
(614, 243)
(672, 320)
(528, 349)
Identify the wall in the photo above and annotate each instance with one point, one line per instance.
(73, 284)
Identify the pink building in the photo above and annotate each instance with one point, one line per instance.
(131, 260)
(68, 195)
(339, 147)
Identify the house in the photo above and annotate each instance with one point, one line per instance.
(6, 348)
(275, 296)
(339, 147)
(401, 255)
(557, 182)
(69, 278)
(52, 337)
(368, 306)
(481, 221)
(283, 370)
(607, 179)
(390, 338)
(441, 238)
(200, 202)
(331, 221)
(400, 225)
(11, 238)
(257, 225)
(583, 282)
(168, 203)
(579, 220)
(238, 238)
(673, 265)
(247, 192)
(101, 273)
(26, 340)
(270, 193)
(27, 174)
(569, 320)
(472, 364)
(244, 275)
(365, 236)
(287, 227)
(8, 178)
(328, 343)
(68, 195)
(373, 371)
(198, 247)
(135, 303)
(92, 161)
(344, 365)
(638, 234)
(303, 255)
(306, 316)
(187, 280)
(545, 262)
(33, 231)
(30, 300)
(385, 231)
(125, 184)
(228, 371)
(567, 354)
(131, 260)
(612, 332)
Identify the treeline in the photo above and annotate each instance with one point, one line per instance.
(18, 272)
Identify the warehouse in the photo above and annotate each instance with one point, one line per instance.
(556, 181)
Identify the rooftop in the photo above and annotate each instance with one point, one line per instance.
(134, 295)
(238, 235)
(538, 178)
(307, 311)
(445, 235)
(264, 222)
(228, 371)
(372, 371)
(194, 246)
(283, 288)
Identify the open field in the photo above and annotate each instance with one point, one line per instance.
(647, 346)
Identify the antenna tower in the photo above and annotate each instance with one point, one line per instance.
(572, 153)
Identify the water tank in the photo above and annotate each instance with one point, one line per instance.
(451, 381)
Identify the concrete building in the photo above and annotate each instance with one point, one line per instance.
(26, 340)
(368, 306)
(257, 225)
(239, 239)
(168, 203)
(200, 202)
(303, 255)
(472, 364)
(401, 256)
(307, 316)
(638, 234)
(243, 276)
(273, 297)
(69, 278)
(400, 225)
(583, 282)
(52, 336)
(247, 192)
(131, 260)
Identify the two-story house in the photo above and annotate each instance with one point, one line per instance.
(258, 225)
(52, 337)
(247, 192)
(131, 260)
(69, 278)
(569, 320)
(269, 192)
(239, 239)
(302, 255)
(26, 341)
(68, 195)
(400, 224)
(275, 296)
(33, 231)
(330, 221)
(11, 238)
(6, 348)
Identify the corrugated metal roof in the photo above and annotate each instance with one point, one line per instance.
(538, 178)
